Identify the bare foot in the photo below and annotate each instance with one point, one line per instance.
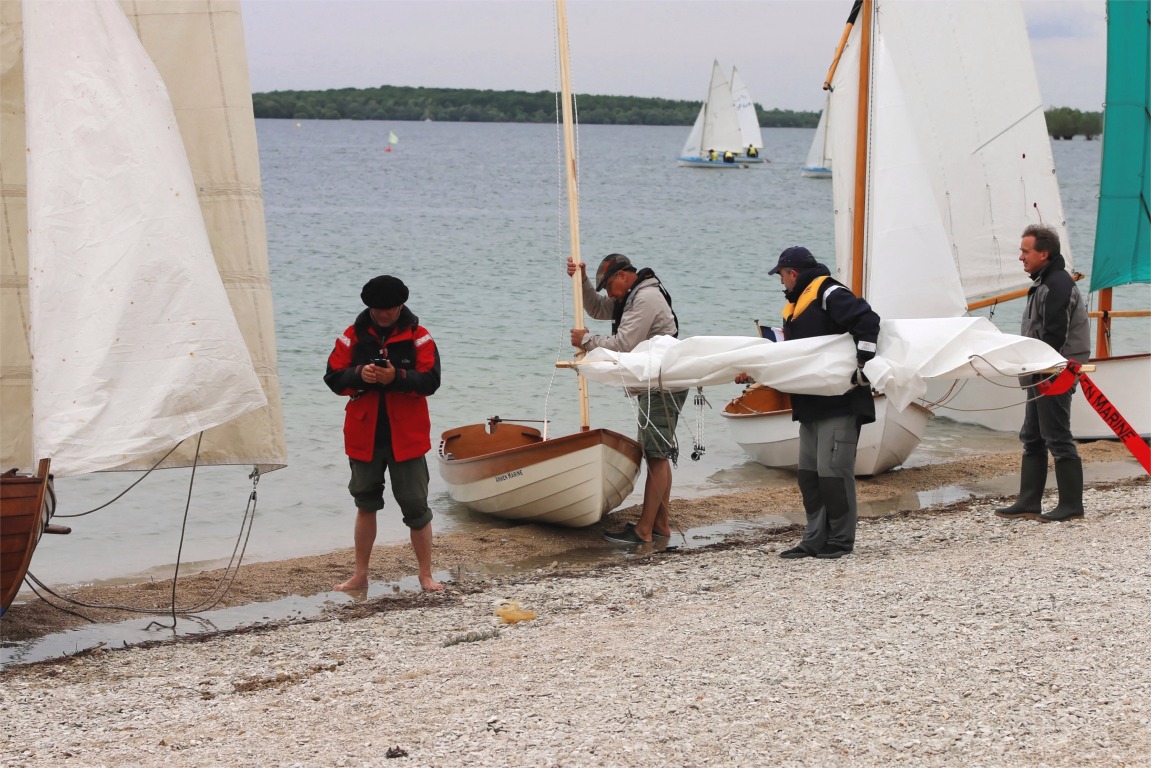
(430, 585)
(352, 585)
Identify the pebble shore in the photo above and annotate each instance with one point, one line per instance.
(950, 638)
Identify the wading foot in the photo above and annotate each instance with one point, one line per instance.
(429, 584)
(352, 585)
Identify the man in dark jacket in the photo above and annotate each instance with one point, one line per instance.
(387, 364)
(818, 305)
(1055, 314)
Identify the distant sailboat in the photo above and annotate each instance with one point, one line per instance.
(818, 162)
(752, 138)
(715, 140)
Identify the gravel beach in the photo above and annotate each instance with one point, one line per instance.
(950, 638)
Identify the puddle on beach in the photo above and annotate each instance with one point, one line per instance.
(155, 628)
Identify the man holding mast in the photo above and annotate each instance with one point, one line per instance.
(639, 308)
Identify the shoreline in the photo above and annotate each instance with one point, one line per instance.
(464, 557)
(950, 638)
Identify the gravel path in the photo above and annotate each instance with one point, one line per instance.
(951, 638)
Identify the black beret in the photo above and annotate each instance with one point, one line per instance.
(384, 292)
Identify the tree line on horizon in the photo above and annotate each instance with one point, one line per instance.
(395, 102)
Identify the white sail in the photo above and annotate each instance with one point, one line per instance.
(910, 352)
(745, 110)
(132, 320)
(818, 161)
(960, 159)
(717, 126)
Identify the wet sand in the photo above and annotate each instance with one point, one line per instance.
(464, 553)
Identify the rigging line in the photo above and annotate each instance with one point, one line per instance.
(183, 528)
(130, 487)
(230, 575)
(1022, 117)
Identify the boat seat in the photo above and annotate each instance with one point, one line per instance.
(475, 439)
(759, 399)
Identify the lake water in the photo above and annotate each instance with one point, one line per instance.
(471, 216)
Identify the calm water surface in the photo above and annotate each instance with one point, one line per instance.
(472, 217)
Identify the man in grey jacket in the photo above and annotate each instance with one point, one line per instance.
(639, 308)
(1056, 315)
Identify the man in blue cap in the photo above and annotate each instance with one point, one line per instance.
(639, 308)
(818, 305)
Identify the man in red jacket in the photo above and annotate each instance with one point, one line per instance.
(387, 364)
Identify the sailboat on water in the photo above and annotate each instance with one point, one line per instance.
(722, 133)
(136, 308)
(751, 139)
(817, 164)
(1122, 242)
(512, 471)
(942, 158)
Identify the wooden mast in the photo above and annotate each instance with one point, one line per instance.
(859, 227)
(572, 191)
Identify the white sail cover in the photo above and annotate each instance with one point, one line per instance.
(745, 111)
(134, 343)
(717, 125)
(959, 158)
(910, 352)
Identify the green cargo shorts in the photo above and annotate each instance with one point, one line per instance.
(409, 485)
(658, 417)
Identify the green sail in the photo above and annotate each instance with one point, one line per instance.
(1123, 229)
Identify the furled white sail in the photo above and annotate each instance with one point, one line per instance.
(132, 321)
(910, 353)
(745, 111)
(946, 127)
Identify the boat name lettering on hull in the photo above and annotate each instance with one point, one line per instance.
(509, 475)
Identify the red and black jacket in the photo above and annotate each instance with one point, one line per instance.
(413, 353)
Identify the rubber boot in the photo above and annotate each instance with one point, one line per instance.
(813, 534)
(840, 518)
(1032, 479)
(1069, 477)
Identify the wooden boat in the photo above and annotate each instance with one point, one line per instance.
(759, 421)
(91, 133)
(28, 503)
(1122, 240)
(511, 471)
(517, 473)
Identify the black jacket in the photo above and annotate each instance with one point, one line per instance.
(833, 311)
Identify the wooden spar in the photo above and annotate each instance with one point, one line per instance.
(859, 225)
(1103, 329)
(993, 300)
(572, 189)
(839, 48)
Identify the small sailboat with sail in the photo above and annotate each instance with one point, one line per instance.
(751, 137)
(1122, 242)
(137, 313)
(817, 164)
(515, 472)
(940, 187)
(716, 139)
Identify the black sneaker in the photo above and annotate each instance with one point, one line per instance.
(794, 553)
(627, 537)
(654, 535)
(833, 554)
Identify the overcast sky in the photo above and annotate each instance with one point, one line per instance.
(658, 48)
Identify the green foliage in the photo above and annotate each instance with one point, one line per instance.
(1065, 123)
(390, 102)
